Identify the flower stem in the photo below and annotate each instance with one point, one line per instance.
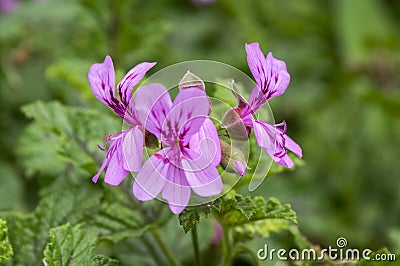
(226, 248)
(164, 247)
(195, 242)
(249, 251)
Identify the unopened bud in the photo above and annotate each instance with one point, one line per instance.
(150, 140)
(241, 101)
(233, 123)
(190, 80)
(232, 159)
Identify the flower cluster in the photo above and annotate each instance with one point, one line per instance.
(189, 148)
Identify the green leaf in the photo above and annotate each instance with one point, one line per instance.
(253, 217)
(62, 135)
(191, 216)
(6, 251)
(101, 260)
(59, 204)
(116, 218)
(106, 211)
(261, 228)
(73, 246)
(70, 73)
(240, 210)
(23, 237)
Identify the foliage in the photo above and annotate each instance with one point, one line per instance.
(6, 251)
(73, 246)
(240, 210)
(72, 133)
(191, 216)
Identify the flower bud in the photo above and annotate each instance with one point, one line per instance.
(150, 140)
(232, 159)
(233, 123)
(190, 80)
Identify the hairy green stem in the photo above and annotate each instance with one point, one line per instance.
(226, 248)
(195, 242)
(164, 247)
(149, 246)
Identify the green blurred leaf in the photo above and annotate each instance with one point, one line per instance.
(38, 150)
(276, 168)
(73, 246)
(362, 33)
(389, 103)
(71, 73)
(62, 135)
(116, 219)
(6, 251)
(146, 251)
(10, 187)
(191, 216)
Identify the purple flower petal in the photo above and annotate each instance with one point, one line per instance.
(206, 142)
(279, 79)
(115, 172)
(273, 140)
(110, 153)
(102, 81)
(257, 64)
(284, 161)
(205, 182)
(265, 136)
(131, 79)
(188, 112)
(256, 100)
(151, 178)
(133, 149)
(240, 167)
(176, 190)
(103, 166)
(270, 74)
(152, 104)
(293, 146)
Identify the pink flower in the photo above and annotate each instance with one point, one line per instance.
(272, 80)
(125, 152)
(190, 152)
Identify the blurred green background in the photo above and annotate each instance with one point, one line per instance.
(342, 105)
